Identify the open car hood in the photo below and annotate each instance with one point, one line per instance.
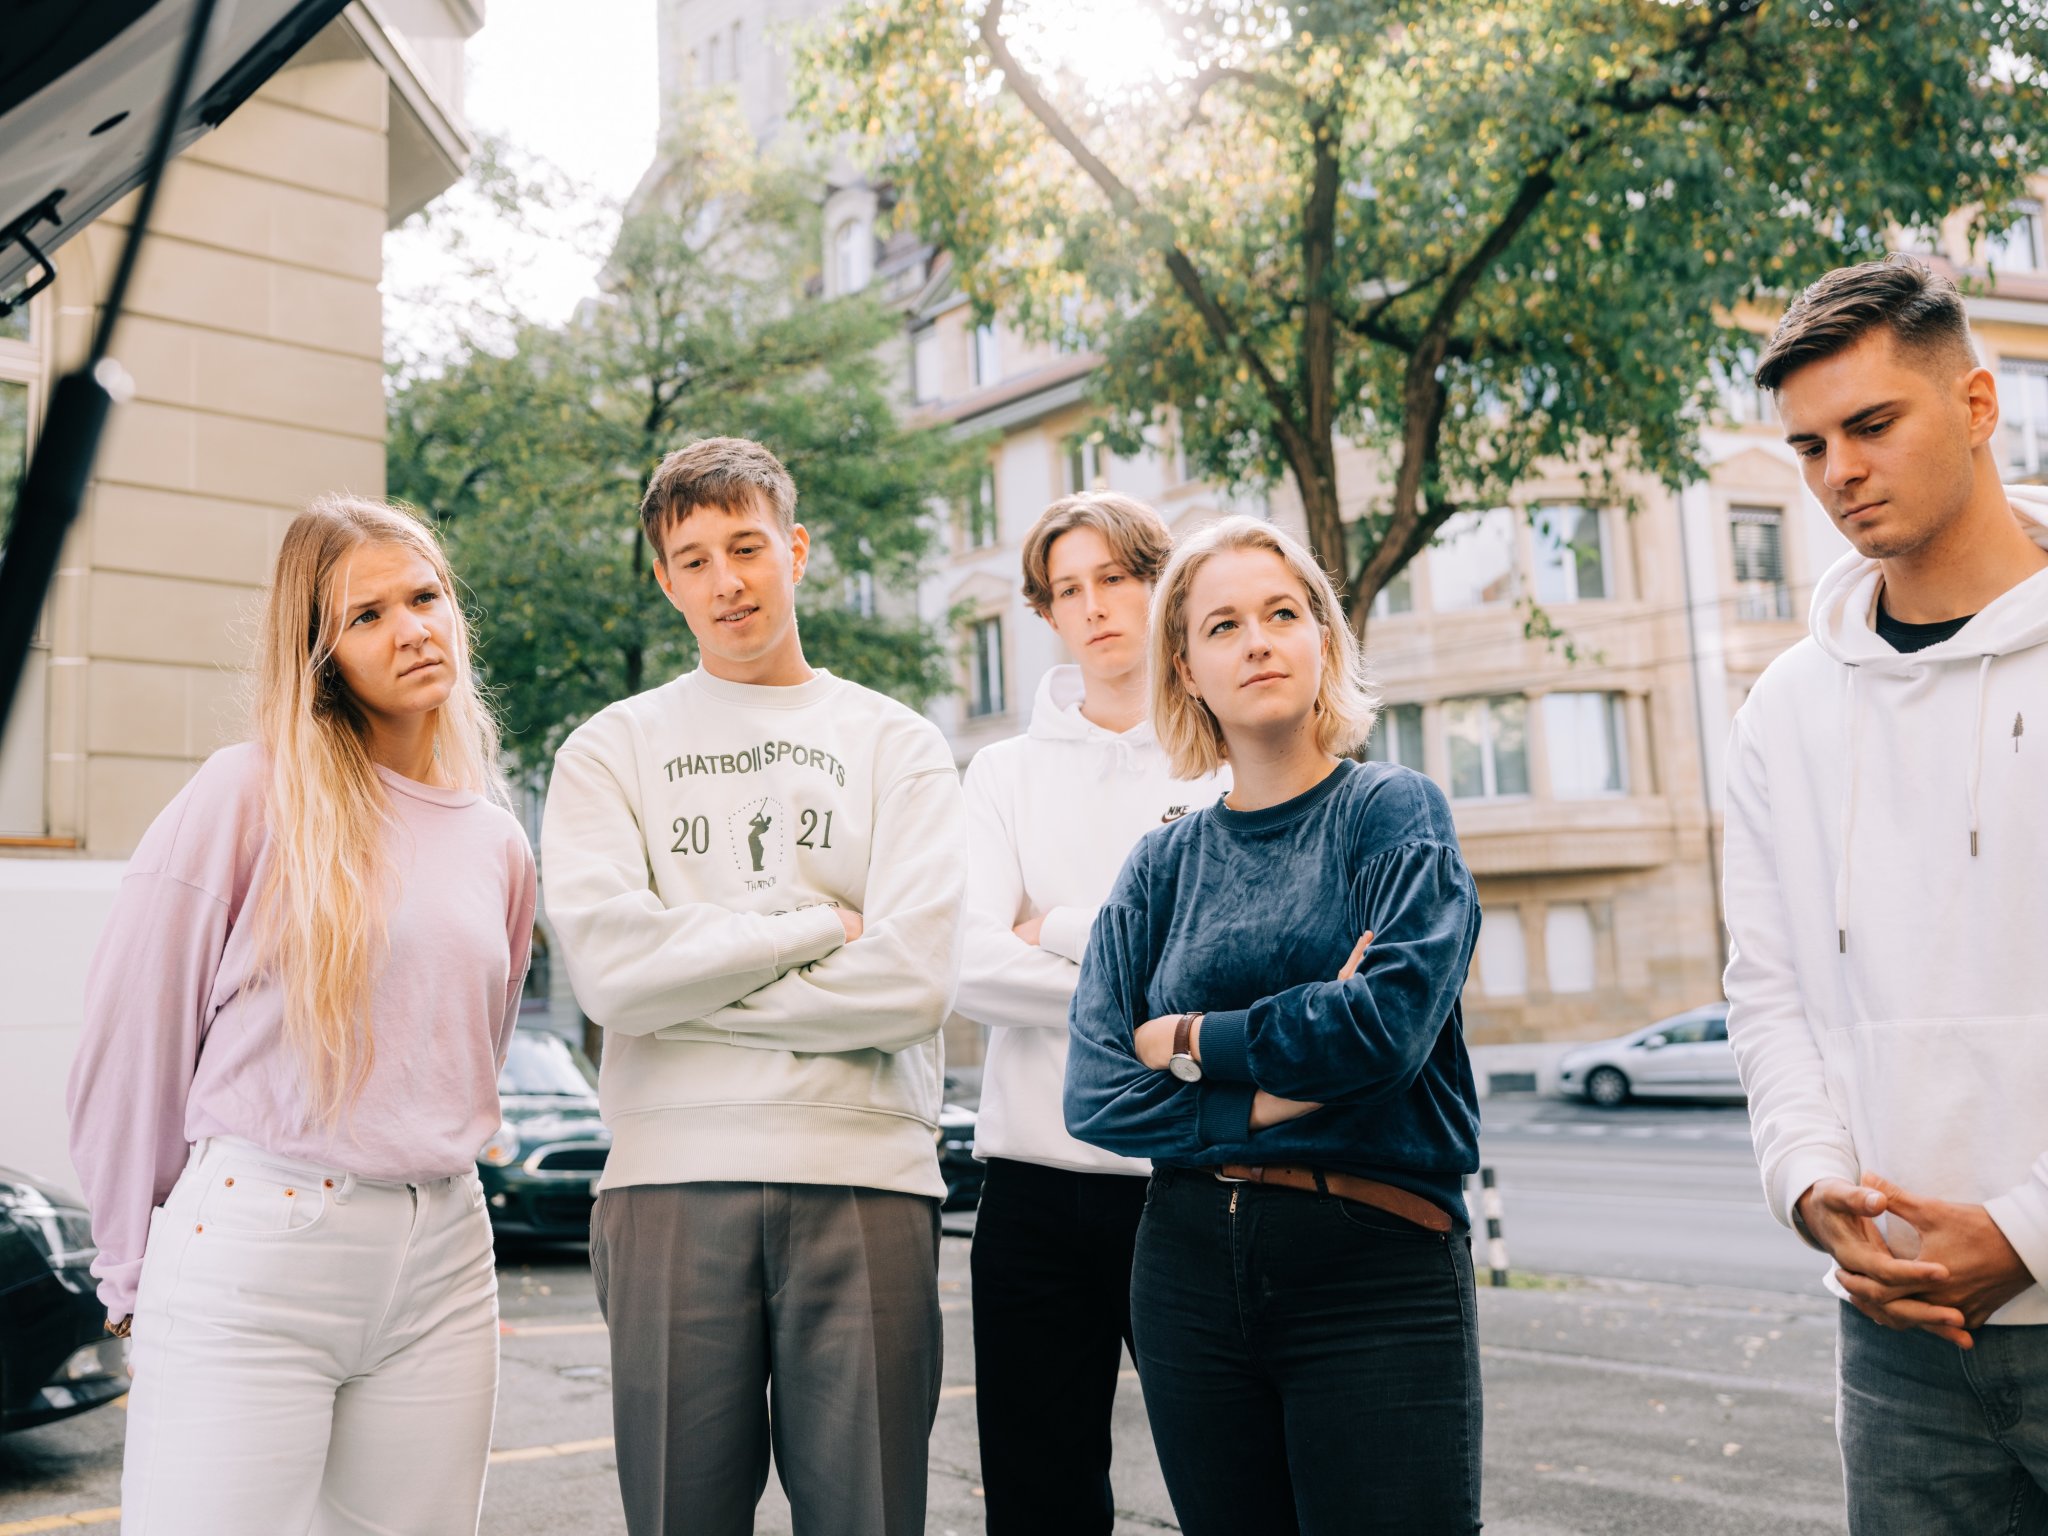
(82, 89)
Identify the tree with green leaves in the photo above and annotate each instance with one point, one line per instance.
(1470, 239)
(530, 447)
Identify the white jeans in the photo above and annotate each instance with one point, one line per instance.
(312, 1353)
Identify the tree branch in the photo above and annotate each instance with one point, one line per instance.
(1216, 74)
(1155, 228)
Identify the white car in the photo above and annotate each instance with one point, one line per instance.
(1684, 1057)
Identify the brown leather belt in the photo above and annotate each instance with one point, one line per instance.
(1346, 1186)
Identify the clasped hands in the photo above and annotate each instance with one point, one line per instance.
(1153, 1043)
(1957, 1267)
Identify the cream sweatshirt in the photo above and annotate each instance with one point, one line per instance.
(1886, 831)
(1051, 815)
(696, 841)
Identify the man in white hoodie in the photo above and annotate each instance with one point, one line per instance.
(1887, 833)
(754, 870)
(1052, 815)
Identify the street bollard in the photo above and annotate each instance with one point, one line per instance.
(1496, 1245)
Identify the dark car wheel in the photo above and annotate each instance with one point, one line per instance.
(1607, 1088)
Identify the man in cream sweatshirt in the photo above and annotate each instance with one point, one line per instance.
(1887, 833)
(755, 874)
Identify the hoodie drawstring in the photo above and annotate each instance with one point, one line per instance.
(1977, 751)
(1848, 815)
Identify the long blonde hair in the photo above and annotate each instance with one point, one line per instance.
(321, 912)
(1186, 727)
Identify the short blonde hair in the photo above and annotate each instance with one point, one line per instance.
(1345, 704)
(1137, 537)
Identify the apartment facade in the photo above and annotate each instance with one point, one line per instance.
(254, 333)
(1586, 786)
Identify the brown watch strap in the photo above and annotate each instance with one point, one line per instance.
(1183, 1028)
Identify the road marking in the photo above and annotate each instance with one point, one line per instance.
(545, 1452)
(60, 1522)
(83, 1517)
(1726, 1381)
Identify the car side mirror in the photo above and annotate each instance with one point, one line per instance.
(1656, 1043)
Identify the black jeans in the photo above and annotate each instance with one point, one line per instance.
(1052, 1313)
(1310, 1365)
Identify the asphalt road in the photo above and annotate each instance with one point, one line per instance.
(1692, 1391)
(1646, 1192)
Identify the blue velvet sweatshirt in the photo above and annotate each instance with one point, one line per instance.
(1247, 916)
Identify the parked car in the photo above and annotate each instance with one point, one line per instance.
(1683, 1057)
(56, 1358)
(540, 1167)
(957, 1118)
(963, 1173)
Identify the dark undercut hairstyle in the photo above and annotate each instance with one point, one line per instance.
(1920, 308)
(733, 474)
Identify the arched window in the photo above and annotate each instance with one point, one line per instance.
(850, 256)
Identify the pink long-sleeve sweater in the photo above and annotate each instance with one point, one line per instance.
(184, 1039)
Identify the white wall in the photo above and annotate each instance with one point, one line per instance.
(51, 914)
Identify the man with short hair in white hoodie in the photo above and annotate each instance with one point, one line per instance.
(1887, 899)
(1052, 816)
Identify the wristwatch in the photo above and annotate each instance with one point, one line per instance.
(1182, 1063)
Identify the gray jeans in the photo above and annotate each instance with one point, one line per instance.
(1939, 1441)
(744, 1316)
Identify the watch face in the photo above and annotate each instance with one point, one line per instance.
(1186, 1068)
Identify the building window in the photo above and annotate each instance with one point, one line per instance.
(1082, 465)
(1757, 535)
(1568, 946)
(988, 364)
(1397, 737)
(1503, 953)
(1398, 595)
(540, 974)
(924, 366)
(1741, 401)
(1571, 554)
(978, 521)
(860, 594)
(1472, 562)
(711, 61)
(2023, 412)
(1489, 747)
(2017, 248)
(852, 250)
(984, 668)
(1588, 745)
(735, 54)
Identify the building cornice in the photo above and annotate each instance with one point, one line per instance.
(448, 140)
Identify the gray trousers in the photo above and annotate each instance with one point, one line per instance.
(1939, 1441)
(748, 1316)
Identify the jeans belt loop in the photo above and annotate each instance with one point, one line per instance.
(1322, 1184)
(343, 1188)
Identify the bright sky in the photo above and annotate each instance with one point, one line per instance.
(572, 84)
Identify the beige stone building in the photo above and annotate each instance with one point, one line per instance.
(1587, 793)
(254, 332)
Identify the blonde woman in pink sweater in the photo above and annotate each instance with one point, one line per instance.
(294, 1024)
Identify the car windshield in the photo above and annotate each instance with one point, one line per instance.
(546, 1064)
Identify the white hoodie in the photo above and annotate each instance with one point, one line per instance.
(1888, 906)
(1051, 817)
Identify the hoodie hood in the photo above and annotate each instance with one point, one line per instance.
(1845, 603)
(1056, 716)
